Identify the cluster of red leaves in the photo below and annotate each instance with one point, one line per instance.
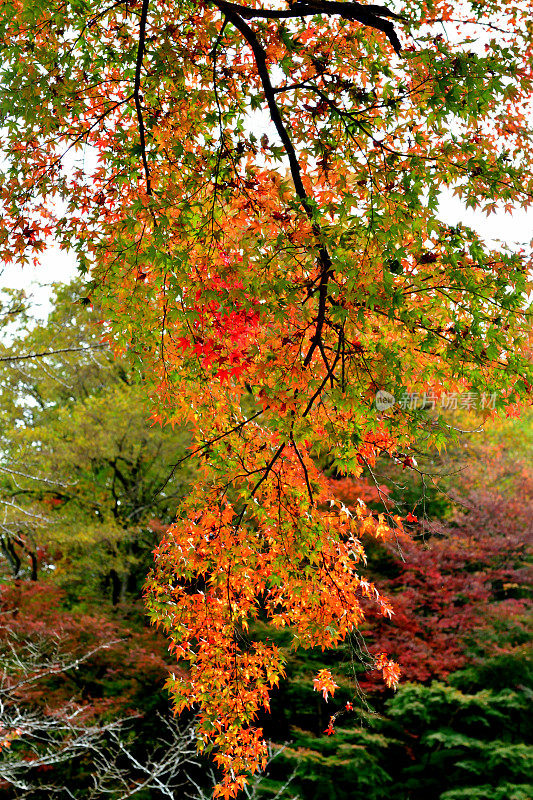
(218, 337)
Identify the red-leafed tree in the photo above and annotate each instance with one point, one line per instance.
(461, 587)
(257, 204)
(73, 689)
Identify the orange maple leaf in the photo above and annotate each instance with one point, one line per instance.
(324, 683)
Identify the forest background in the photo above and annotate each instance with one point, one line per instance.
(87, 486)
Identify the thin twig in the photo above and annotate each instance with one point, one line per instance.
(26, 356)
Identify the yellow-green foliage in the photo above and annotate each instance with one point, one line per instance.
(84, 472)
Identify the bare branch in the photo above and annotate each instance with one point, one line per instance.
(26, 356)
(51, 737)
(371, 15)
(137, 92)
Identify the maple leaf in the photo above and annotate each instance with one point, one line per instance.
(391, 670)
(324, 683)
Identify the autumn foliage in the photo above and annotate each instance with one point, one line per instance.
(35, 614)
(453, 593)
(254, 192)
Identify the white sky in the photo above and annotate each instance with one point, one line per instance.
(56, 266)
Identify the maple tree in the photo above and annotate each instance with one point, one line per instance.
(254, 190)
(458, 595)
